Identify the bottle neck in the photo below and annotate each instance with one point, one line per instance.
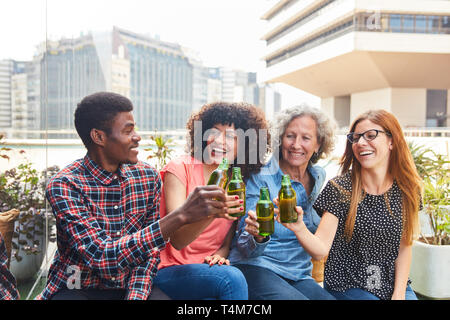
(264, 195)
(236, 176)
(285, 182)
(223, 166)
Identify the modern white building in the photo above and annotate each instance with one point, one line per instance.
(364, 54)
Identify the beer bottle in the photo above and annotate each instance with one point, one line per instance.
(264, 213)
(287, 200)
(219, 177)
(237, 187)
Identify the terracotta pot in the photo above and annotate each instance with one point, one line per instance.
(7, 230)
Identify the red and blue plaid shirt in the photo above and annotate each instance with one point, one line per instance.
(8, 289)
(108, 232)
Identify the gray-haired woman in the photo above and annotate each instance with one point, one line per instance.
(277, 267)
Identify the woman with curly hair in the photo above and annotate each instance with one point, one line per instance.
(194, 265)
(277, 267)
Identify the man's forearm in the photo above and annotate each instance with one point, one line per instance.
(171, 223)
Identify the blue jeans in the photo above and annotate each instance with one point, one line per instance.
(361, 294)
(264, 284)
(202, 282)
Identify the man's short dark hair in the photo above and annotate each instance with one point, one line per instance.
(97, 111)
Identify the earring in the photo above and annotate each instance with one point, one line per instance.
(314, 157)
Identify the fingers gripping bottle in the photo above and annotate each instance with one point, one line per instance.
(287, 200)
(219, 177)
(264, 213)
(236, 186)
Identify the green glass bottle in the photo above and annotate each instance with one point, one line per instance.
(219, 177)
(264, 213)
(287, 201)
(236, 186)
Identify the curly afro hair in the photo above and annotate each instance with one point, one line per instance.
(243, 116)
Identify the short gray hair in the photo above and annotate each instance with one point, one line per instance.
(325, 128)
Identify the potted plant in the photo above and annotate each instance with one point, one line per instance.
(162, 152)
(7, 217)
(22, 188)
(430, 272)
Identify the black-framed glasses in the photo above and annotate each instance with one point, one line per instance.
(368, 135)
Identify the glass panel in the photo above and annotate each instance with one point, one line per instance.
(396, 23)
(421, 24)
(23, 142)
(408, 23)
(446, 24)
(434, 24)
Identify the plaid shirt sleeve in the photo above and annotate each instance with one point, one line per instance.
(8, 289)
(105, 256)
(141, 278)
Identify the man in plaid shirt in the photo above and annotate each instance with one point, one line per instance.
(109, 233)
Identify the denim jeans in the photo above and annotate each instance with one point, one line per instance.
(202, 282)
(361, 294)
(264, 284)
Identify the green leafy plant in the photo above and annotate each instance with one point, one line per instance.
(163, 150)
(434, 169)
(22, 188)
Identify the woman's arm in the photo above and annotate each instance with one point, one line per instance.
(402, 266)
(318, 244)
(221, 255)
(175, 194)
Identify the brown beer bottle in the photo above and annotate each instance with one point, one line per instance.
(219, 177)
(236, 187)
(287, 200)
(264, 213)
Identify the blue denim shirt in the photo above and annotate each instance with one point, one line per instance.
(282, 253)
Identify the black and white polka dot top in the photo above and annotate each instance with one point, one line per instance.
(368, 260)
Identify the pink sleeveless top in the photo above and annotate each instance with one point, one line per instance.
(190, 172)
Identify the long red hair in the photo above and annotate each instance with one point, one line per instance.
(401, 168)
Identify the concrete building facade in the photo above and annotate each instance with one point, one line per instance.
(364, 54)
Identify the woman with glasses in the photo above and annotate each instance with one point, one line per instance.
(195, 265)
(369, 214)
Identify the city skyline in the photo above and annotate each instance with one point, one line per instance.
(203, 25)
(224, 34)
(165, 81)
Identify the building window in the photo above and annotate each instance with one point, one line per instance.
(437, 112)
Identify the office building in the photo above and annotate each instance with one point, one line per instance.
(157, 76)
(364, 54)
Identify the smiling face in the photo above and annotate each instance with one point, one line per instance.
(121, 145)
(299, 142)
(221, 143)
(372, 154)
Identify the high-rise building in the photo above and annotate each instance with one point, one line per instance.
(364, 54)
(226, 84)
(161, 80)
(17, 98)
(238, 85)
(214, 85)
(33, 72)
(70, 70)
(269, 100)
(157, 76)
(6, 71)
(200, 76)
